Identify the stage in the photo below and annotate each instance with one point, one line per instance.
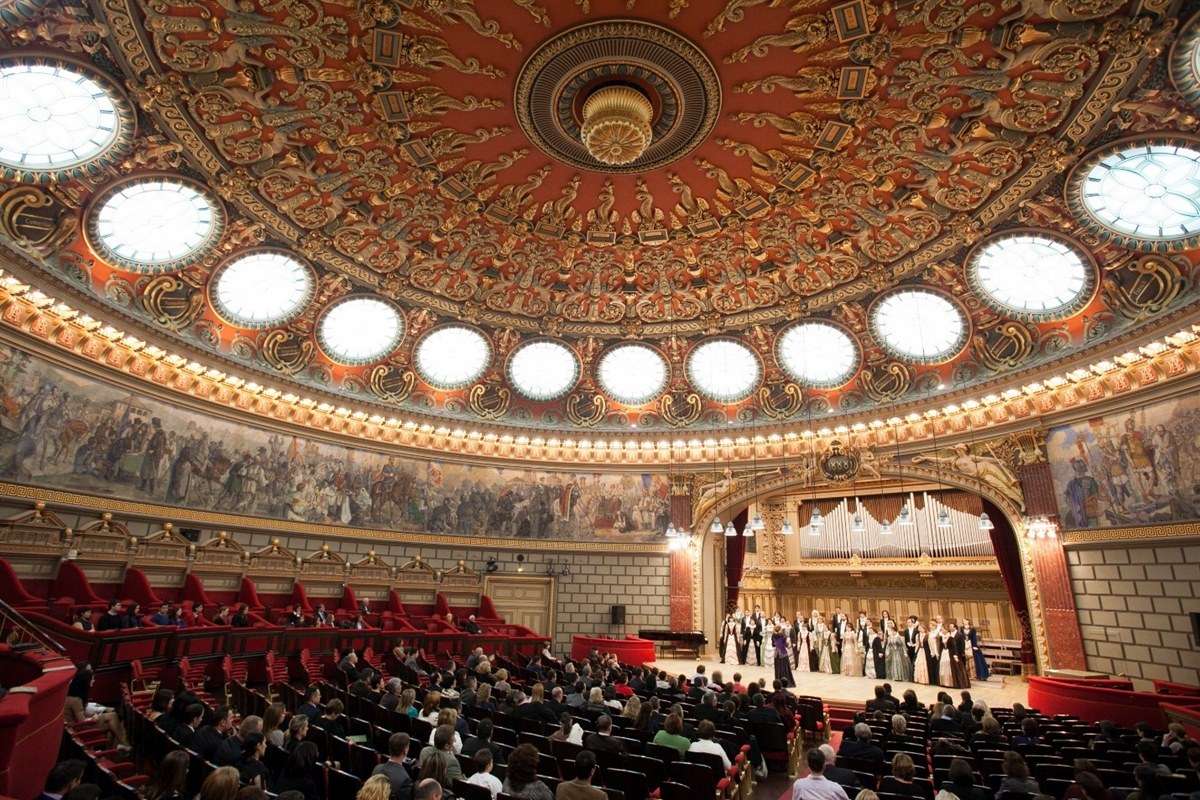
(847, 690)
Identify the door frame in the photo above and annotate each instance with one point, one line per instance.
(530, 579)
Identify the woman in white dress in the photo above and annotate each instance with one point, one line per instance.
(825, 638)
(945, 673)
(731, 636)
(852, 657)
(921, 665)
(803, 645)
(869, 657)
(768, 650)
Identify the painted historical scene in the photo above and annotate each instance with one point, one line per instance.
(65, 430)
(1132, 468)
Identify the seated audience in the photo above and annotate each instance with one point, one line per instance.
(580, 787)
(376, 787)
(815, 786)
(483, 772)
(961, 782)
(903, 782)
(300, 773)
(859, 746)
(251, 767)
(671, 734)
(601, 740)
(839, 775)
(437, 760)
(209, 738)
(705, 744)
(394, 770)
(1017, 779)
(62, 778)
(522, 779)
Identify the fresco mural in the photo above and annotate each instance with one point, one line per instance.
(1133, 468)
(65, 430)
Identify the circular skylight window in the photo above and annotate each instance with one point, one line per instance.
(632, 373)
(1145, 192)
(261, 288)
(55, 116)
(1032, 275)
(723, 370)
(154, 224)
(543, 369)
(817, 354)
(918, 325)
(360, 329)
(452, 356)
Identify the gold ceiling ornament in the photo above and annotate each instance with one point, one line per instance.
(616, 124)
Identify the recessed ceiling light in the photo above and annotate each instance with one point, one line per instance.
(723, 370)
(452, 356)
(918, 325)
(817, 354)
(55, 116)
(261, 288)
(1031, 275)
(1148, 191)
(632, 373)
(543, 369)
(360, 329)
(154, 224)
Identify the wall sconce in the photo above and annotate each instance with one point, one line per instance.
(1040, 527)
(553, 571)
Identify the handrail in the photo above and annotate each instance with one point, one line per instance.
(17, 629)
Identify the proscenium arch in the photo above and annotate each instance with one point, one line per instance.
(712, 563)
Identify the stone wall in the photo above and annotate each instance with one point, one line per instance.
(639, 581)
(1134, 605)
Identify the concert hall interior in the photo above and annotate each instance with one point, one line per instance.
(599, 399)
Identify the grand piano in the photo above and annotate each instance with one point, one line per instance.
(677, 642)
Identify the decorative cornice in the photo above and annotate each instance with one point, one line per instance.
(1120, 536)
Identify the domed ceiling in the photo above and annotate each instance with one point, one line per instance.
(591, 214)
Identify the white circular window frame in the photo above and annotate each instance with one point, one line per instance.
(643, 398)
(840, 380)
(327, 349)
(227, 315)
(697, 378)
(96, 242)
(938, 358)
(542, 397)
(126, 119)
(1077, 304)
(1077, 178)
(465, 381)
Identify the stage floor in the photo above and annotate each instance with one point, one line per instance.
(852, 691)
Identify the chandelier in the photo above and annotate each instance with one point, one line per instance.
(1040, 527)
(616, 124)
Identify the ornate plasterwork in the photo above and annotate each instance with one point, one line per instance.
(380, 145)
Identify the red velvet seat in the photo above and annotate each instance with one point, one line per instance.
(13, 592)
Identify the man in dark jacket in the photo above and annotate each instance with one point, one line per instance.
(860, 746)
(206, 741)
(602, 741)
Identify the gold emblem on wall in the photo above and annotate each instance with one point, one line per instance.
(36, 220)
(391, 383)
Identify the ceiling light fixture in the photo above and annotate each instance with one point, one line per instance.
(616, 124)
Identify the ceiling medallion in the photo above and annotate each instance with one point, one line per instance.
(617, 96)
(1185, 61)
(616, 124)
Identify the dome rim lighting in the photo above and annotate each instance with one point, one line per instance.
(95, 241)
(541, 398)
(706, 393)
(228, 316)
(324, 345)
(1078, 178)
(842, 380)
(1082, 298)
(488, 356)
(941, 357)
(647, 397)
(125, 118)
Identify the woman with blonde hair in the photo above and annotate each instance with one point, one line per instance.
(221, 784)
(448, 716)
(407, 703)
(377, 787)
(483, 698)
(632, 707)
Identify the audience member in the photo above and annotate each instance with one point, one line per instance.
(860, 747)
(394, 770)
(62, 778)
(839, 775)
(580, 787)
(815, 786)
(602, 740)
(222, 783)
(1017, 779)
(522, 779)
(483, 772)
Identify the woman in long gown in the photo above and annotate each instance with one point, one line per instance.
(783, 669)
(731, 640)
(899, 668)
(921, 665)
(958, 658)
(824, 660)
(852, 658)
(975, 657)
(945, 673)
(803, 647)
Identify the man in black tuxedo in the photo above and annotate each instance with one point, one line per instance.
(910, 638)
(860, 631)
(838, 627)
(757, 624)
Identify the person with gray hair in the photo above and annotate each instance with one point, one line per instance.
(391, 697)
(860, 747)
(833, 772)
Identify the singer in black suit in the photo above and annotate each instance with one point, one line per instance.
(910, 639)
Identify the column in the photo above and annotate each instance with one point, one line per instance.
(682, 559)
